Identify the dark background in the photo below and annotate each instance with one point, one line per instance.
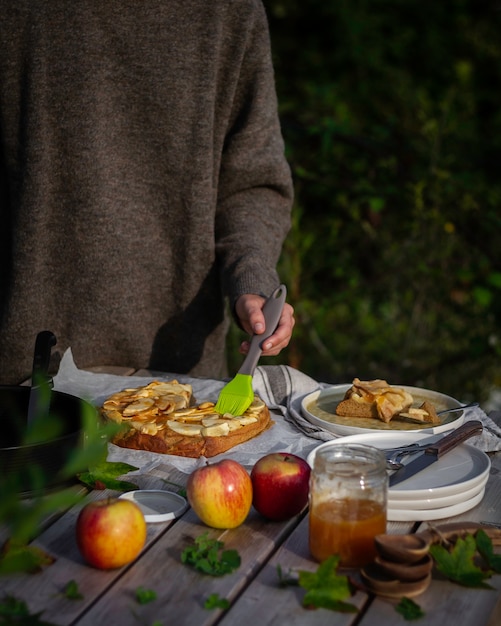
(391, 115)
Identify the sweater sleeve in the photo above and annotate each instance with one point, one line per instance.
(255, 187)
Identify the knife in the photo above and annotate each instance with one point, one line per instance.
(41, 384)
(435, 451)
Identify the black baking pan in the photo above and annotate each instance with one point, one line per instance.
(37, 441)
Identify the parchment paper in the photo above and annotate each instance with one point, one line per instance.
(281, 387)
(284, 436)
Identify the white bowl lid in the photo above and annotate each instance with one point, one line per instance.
(157, 505)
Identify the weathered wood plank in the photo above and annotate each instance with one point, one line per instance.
(43, 591)
(181, 591)
(266, 604)
(445, 602)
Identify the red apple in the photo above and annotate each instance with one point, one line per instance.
(280, 484)
(220, 493)
(110, 532)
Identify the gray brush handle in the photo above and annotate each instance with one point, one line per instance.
(272, 310)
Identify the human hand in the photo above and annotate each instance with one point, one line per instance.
(248, 309)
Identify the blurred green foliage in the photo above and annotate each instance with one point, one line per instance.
(391, 116)
(28, 496)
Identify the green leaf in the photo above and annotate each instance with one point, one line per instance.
(23, 517)
(482, 296)
(144, 596)
(104, 476)
(494, 279)
(458, 563)
(409, 609)
(179, 488)
(15, 612)
(207, 556)
(23, 558)
(288, 578)
(46, 429)
(72, 592)
(94, 450)
(486, 551)
(216, 602)
(325, 588)
(114, 468)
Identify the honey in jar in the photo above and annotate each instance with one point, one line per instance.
(346, 527)
(348, 496)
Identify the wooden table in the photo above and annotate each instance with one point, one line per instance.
(253, 590)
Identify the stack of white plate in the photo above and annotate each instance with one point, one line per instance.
(452, 485)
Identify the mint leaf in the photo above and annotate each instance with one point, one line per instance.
(207, 556)
(15, 612)
(71, 591)
(458, 563)
(144, 596)
(288, 578)
(486, 551)
(325, 588)
(216, 602)
(409, 609)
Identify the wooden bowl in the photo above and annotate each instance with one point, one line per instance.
(378, 582)
(402, 548)
(406, 572)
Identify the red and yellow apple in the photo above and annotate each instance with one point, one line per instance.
(110, 532)
(280, 485)
(220, 493)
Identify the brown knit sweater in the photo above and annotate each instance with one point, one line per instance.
(142, 178)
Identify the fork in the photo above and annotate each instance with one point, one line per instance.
(458, 408)
(394, 454)
(237, 395)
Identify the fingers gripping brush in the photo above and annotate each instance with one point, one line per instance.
(237, 396)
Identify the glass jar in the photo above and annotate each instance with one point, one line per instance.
(348, 500)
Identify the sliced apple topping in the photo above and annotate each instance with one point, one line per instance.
(213, 419)
(138, 406)
(256, 406)
(245, 420)
(160, 405)
(188, 430)
(216, 430)
(114, 415)
(147, 428)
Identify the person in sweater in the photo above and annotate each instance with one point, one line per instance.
(144, 191)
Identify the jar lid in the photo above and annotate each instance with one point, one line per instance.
(157, 505)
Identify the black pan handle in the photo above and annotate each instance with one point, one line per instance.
(41, 383)
(43, 347)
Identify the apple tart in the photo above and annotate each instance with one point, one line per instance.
(163, 417)
(379, 400)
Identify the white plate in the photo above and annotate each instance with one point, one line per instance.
(379, 440)
(409, 515)
(458, 471)
(157, 505)
(437, 503)
(319, 409)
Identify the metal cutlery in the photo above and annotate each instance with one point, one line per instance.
(433, 452)
(458, 408)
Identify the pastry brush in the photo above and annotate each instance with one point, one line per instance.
(237, 395)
